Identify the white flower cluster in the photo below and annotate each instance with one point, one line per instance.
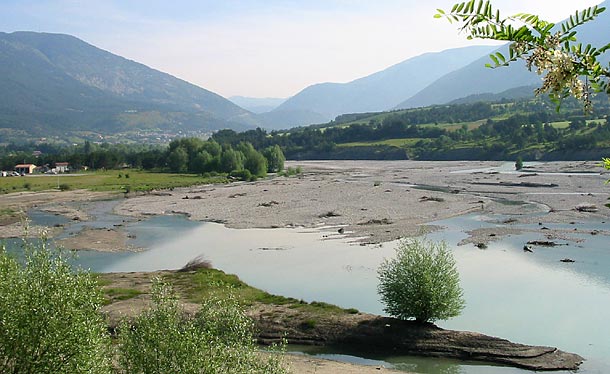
(558, 67)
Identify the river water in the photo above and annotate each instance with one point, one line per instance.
(530, 298)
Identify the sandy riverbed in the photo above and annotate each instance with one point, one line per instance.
(379, 201)
(369, 201)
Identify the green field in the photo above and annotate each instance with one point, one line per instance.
(405, 142)
(111, 181)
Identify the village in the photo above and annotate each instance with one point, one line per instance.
(28, 169)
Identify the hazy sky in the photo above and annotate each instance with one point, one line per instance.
(261, 48)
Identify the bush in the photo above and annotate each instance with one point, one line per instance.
(290, 171)
(217, 340)
(243, 175)
(422, 282)
(64, 187)
(49, 316)
(519, 163)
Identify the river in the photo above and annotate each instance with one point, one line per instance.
(530, 298)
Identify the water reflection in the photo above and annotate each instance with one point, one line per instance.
(525, 297)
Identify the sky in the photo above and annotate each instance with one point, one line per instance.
(261, 48)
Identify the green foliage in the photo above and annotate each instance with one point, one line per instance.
(607, 166)
(243, 175)
(231, 160)
(49, 316)
(519, 163)
(254, 161)
(549, 50)
(275, 158)
(290, 171)
(64, 187)
(219, 339)
(421, 282)
(177, 160)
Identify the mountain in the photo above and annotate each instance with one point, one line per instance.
(257, 104)
(475, 78)
(382, 90)
(523, 92)
(53, 83)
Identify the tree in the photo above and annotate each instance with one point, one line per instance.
(218, 339)
(254, 161)
(178, 159)
(49, 316)
(519, 163)
(421, 282)
(231, 160)
(275, 158)
(202, 162)
(568, 67)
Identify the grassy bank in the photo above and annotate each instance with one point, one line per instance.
(109, 180)
(195, 286)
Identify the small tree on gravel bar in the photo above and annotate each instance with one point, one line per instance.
(421, 282)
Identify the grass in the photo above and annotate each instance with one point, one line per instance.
(108, 180)
(198, 285)
(117, 294)
(399, 142)
(8, 215)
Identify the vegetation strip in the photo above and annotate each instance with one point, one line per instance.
(318, 323)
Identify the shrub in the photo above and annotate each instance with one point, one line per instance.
(27, 186)
(217, 340)
(244, 174)
(49, 316)
(421, 282)
(519, 163)
(290, 171)
(64, 187)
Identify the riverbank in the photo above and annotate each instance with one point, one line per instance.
(321, 324)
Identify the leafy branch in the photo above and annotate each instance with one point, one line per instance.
(568, 67)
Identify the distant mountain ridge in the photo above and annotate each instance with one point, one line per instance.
(382, 90)
(257, 104)
(55, 82)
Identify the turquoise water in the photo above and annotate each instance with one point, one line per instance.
(531, 298)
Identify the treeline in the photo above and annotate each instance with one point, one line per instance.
(507, 129)
(185, 155)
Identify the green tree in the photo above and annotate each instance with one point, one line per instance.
(202, 162)
(519, 163)
(178, 160)
(219, 339)
(275, 158)
(421, 282)
(231, 160)
(49, 316)
(254, 161)
(568, 67)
